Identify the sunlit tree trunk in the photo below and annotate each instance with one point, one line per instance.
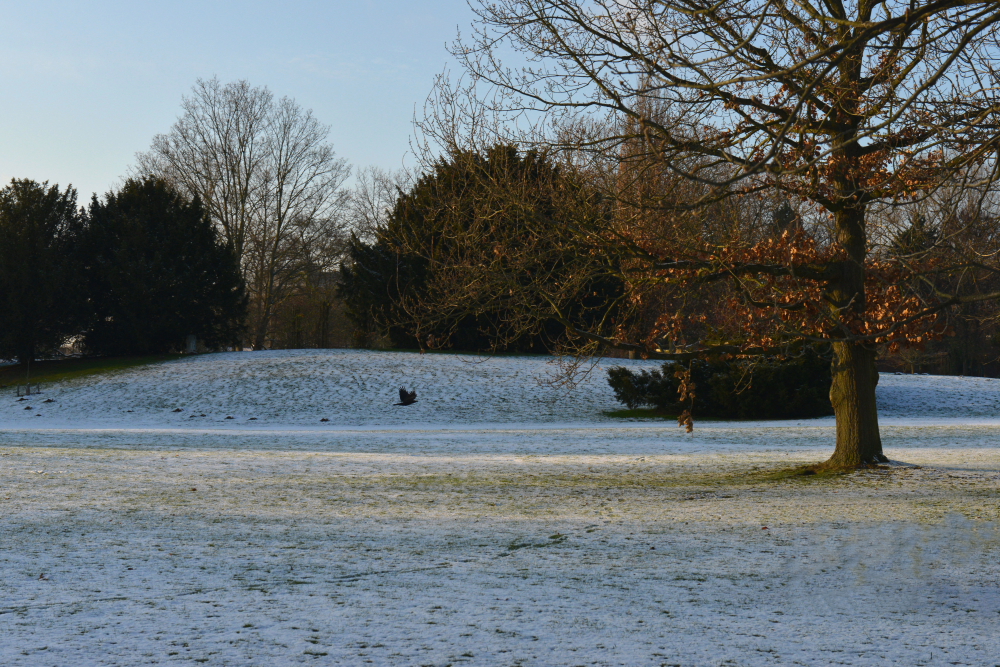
(853, 396)
(852, 391)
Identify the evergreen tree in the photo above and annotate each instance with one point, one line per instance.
(39, 299)
(387, 284)
(764, 388)
(373, 282)
(157, 271)
(784, 218)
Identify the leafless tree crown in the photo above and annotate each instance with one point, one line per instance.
(265, 170)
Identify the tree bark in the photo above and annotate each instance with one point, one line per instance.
(853, 396)
(260, 332)
(852, 391)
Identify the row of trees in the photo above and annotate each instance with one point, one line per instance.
(398, 267)
(136, 272)
(256, 171)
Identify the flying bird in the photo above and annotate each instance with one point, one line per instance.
(406, 397)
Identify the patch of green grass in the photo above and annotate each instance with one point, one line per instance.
(68, 369)
(808, 473)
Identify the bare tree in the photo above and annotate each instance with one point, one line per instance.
(270, 179)
(217, 150)
(853, 111)
(373, 196)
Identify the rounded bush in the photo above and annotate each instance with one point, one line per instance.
(761, 388)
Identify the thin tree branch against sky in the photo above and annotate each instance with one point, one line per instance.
(87, 85)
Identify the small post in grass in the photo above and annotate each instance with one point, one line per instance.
(27, 381)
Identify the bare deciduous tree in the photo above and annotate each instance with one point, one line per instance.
(373, 196)
(270, 179)
(853, 111)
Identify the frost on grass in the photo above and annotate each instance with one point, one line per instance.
(560, 540)
(299, 387)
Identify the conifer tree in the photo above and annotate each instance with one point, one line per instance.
(157, 271)
(39, 300)
(399, 283)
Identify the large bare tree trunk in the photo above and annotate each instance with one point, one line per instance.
(853, 396)
(852, 391)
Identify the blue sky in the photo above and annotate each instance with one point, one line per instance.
(85, 85)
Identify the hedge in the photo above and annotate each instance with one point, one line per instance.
(762, 388)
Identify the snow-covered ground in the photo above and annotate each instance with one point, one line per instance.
(298, 388)
(498, 521)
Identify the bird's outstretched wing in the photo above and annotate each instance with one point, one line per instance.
(407, 397)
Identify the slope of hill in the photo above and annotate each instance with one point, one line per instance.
(357, 389)
(300, 387)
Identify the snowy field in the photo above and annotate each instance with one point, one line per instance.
(498, 521)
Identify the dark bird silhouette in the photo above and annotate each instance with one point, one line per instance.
(406, 397)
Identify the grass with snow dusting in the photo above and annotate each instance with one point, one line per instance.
(536, 532)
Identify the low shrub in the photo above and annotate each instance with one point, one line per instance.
(762, 388)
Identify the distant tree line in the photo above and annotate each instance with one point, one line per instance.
(238, 227)
(255, 173)
(137, 271)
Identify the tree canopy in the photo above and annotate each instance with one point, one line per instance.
(40, 301)
(402, 281)
(696, 118)
(157, 271)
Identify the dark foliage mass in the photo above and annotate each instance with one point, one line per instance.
(388, 283)
(157, 271)
(372, 283)
(40, 298)
(766, 388)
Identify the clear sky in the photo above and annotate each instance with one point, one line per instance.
(85, 85)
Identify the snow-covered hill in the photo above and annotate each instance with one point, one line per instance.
(938, 397)
(301, 387)
(350, 388)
